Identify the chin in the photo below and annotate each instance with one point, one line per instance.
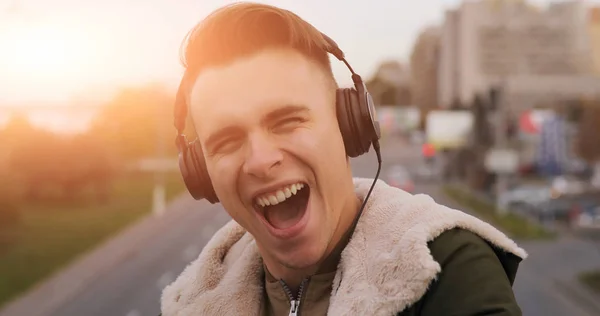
(305, 257)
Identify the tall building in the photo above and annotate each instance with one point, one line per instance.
(424, 65)
(594, 33)
(390, 84)
(487, 43)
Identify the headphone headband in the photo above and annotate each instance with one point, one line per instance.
(333, 48)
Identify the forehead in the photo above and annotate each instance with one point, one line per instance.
(243, 91)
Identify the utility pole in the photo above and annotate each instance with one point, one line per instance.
(502, 110)
(159, 200)
(501, 177)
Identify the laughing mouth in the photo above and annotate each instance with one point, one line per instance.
(284, 207)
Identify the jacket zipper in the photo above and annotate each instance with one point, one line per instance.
(294, 302)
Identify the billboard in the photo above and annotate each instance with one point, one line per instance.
(448, 129)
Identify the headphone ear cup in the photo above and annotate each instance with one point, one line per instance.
(350, 117)
(188, 171)
(195, 175)
(355, 108)
(205, 184)
(345, 121)
(366, 128)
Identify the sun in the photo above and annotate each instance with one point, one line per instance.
(51, 53)
(43, 51)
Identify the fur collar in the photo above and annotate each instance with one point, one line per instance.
(385, 267)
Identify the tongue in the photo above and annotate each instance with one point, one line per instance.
(284, 215)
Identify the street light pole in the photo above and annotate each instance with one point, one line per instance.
(503, 101)
(159, 201)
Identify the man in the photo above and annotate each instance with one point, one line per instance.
(274, 137)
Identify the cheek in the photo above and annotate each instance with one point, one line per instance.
(329, 143)
(223, 174)
(322, 150)
(317, 144)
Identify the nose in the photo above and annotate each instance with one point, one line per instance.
(262, 157)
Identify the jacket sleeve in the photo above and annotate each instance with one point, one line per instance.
(473, 280)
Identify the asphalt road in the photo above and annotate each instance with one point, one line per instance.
(133, 286)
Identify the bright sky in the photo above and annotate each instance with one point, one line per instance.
(53, 51)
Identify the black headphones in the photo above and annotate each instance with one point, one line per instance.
(355, 113)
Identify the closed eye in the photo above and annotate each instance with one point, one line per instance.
(289, 124)
(286, 117)
(225, 145)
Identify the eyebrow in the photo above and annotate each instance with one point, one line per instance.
(274, 115)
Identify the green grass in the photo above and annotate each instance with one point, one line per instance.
(50, 236)
(591, 279)
(511, 224)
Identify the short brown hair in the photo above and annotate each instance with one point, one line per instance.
(242, 29)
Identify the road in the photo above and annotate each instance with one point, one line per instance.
(133, 285)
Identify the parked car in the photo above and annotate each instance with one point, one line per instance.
(585, 211)
(568, 185)
(525, 197)
(567, 208)
(589, 217)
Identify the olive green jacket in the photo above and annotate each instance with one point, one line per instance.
(393, 264)
(485, 274)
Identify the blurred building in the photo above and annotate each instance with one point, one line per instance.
(491, 42)
(424, 65)
(389, 86)
(594, 33)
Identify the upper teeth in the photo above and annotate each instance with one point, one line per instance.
(280, 195)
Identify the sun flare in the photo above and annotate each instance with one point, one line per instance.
(45, 53)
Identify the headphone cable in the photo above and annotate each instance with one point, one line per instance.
(377, 149)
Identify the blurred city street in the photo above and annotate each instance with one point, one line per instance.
(491, 107)
(126, 275)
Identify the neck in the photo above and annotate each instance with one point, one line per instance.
(294, 277)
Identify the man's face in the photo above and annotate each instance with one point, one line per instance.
(274, 152)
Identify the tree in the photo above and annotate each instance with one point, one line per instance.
(9, 208)
(390, 85)
(42, 161)
(90, 164)
(17, 129)
(30, 154)
(131, 123)
(9, 199)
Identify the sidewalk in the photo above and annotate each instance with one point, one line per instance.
(561, 261)
(61, 287)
